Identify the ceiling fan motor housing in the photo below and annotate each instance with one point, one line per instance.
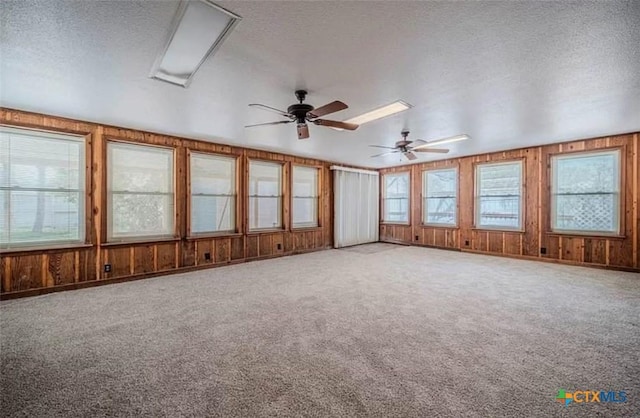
(300, 111)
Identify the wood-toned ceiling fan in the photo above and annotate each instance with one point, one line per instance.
(407, 148)
(301, 113)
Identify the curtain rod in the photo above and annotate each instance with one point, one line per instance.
(354, 170)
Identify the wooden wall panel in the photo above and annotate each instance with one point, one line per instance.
(535, 241)
(32, 272)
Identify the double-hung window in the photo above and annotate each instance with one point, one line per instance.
(213, 193)
(42, 188)
(140, 192)
(585, 192)
(499, 195)
(440, 196)
(265, 195)
(305, 197)
(396, 198)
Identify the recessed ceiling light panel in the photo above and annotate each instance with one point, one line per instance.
(381, 112)
(198, 29)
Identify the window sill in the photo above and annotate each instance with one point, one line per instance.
(442, 226)
(585, 235)
(395, 223)
(305, 228)
(43, 249)
(150, 240)
(487, 229)
(211, 236)
(265, 231)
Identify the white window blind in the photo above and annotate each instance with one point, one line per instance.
(585, 192)
(498, 195)
(140, 192)
(396, 198)
(305, 197)
(213, 193)
(440, 196)
(265, 195)
(42, 188)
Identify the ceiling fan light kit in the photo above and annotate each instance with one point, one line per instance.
(301, 113)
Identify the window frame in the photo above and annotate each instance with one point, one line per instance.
(424, 196)
(383, 194)
(620, 151)
(318, 196)
(108, 202)
(236, 192)
(282, 227)
(84, 219)
(522, 195)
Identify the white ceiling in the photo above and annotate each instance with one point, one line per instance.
(510, 74)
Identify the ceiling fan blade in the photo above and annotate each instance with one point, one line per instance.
(336, 124)
(381, 146)
(303, 131)
(410, 155)
(269, 123)
(436, 150)
(384, 153)
(270, 109)
(332, 107)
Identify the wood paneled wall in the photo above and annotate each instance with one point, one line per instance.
(29, 272)
(616, 252)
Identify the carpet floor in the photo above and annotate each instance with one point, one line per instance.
(377, 330)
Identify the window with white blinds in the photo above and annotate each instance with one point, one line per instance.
(305, 197)
(585, 192)
(499, 195)
(396, 198)
(440, 197)
(42, 188)
(265, 195)
(213, 193)
(140, 192)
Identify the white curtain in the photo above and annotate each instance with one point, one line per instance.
(356, 206)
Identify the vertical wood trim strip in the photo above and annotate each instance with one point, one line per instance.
(7, 274)
(76, 276)
(635, 218)
(44, 265)
(539, 202)
(132, 260)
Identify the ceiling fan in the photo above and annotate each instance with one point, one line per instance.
(301, 113)
(408, 148)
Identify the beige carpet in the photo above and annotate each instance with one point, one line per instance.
(385, 331)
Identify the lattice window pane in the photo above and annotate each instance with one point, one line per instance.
(585, 192)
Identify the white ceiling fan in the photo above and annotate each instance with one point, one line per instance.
(408, 148)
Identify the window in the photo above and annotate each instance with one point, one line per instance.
(585, 192)
(140, 192)
(42, 188)
(498, 195)
(396, 198)
(305, 197)
(440, 196)
(265, 195)
(213, 193)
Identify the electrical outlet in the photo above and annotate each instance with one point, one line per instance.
(207, 256)
(466, 242)
(417, 237)
(543, 250)
(107, 268)
(279, 246)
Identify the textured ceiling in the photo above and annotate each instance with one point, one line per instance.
(510, 74)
